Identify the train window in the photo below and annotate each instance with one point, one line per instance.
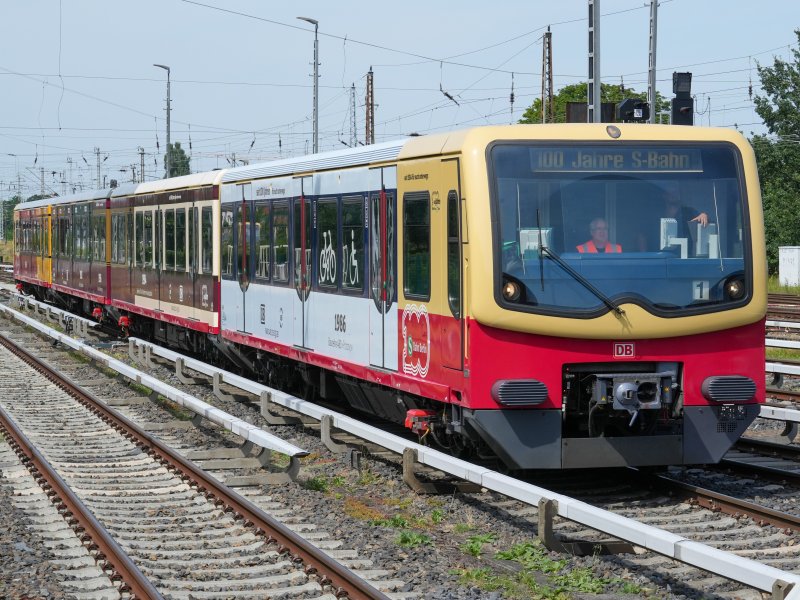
(169, 240)
(226, 241)
(327, 241)
(68, 228)
(121, 239)
(417, 245)
(99, 237)
(302, 239)
(453, 254)
(280, 240)
(115, 235)
(147, 239)
(192, 241)
(180, 239)
(139, 231)
(207, 231)
(353, 243)
(262, 236)
(241, 236)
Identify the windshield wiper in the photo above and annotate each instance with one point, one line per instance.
(545, 251)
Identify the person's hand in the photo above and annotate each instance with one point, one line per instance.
(702, 218)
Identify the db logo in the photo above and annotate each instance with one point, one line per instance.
(624, 350)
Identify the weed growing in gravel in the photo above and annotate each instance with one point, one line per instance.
(463, 527)
(175, 410)
(396, 521)
(355, 509)
(474, 544)
(367, 477)
(540, 576)
(318, 483)
(412, 539)
(140, 389)
(338, 481)
(437, 516)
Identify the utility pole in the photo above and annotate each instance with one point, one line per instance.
(69, 170)
(99, 181)
(369, 138)
(315, 117)
(141, 164)
(169, 158)
(651, 76)
(353, 133)
(133, 173)
(41, 179)
(594, 111)
(548, 102)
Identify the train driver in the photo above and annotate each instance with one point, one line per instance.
(599, 240)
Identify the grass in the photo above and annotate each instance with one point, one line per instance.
(539, 576)
(7, 251)
(774, 287)
(782, 354)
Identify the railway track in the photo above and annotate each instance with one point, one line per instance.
(188, 534)
(681, 514)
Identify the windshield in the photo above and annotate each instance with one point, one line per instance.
(661, 226)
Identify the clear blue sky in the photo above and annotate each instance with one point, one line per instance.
(78, 74)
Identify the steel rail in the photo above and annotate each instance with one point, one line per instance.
(344, 582)
(109, 554)
(727, 504)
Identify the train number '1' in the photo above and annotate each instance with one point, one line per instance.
(340, 323)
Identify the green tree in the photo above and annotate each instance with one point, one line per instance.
(179, 161)
(577, 92)
(778, 155)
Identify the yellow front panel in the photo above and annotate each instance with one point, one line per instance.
(637, 323)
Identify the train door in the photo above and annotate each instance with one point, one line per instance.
(191, 258)
(382, 268)
(451, 327)
(158, 226)
(430, 321)
(243, 243)
(301, 244)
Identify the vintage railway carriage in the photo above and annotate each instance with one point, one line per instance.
(32, 245)
(162, 258)
(446, 282)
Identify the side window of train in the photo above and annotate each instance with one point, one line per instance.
(169, 239)
(353, 243)
(226, 241)
(280, 241)
(453, 254)
(417, 245)
(263, 235)
(180, 240)
(207, 231)
(98, 235)
(115, 235)
(147, 239)
(327, 242)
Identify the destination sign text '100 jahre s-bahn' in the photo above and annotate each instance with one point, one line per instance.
(619, 159)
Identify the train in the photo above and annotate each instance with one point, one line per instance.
(438, 282)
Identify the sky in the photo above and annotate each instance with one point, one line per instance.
(79, 83)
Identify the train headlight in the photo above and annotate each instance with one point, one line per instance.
(512, 291)
(735, 288)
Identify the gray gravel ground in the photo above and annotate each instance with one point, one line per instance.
(25, 567)
(443, 547)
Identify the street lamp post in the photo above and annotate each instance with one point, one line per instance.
(315, 117)
(169, 161)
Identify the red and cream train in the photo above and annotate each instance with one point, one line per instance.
(434, 281)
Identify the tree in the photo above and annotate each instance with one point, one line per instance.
(578, 92)
(778, 155)
(179, 161)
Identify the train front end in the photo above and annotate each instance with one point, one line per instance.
(640, 345)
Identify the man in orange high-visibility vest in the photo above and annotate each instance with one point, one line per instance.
(599, 242)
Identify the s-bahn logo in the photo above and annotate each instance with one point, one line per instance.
(416, 340)
(624, 350)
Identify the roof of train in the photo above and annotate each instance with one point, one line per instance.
(173, 183)
(85, 196)
(324, 160)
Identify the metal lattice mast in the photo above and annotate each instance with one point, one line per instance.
(548, 101)
(370, 125)
(353, 131)
(594, 112)
(651, 76)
